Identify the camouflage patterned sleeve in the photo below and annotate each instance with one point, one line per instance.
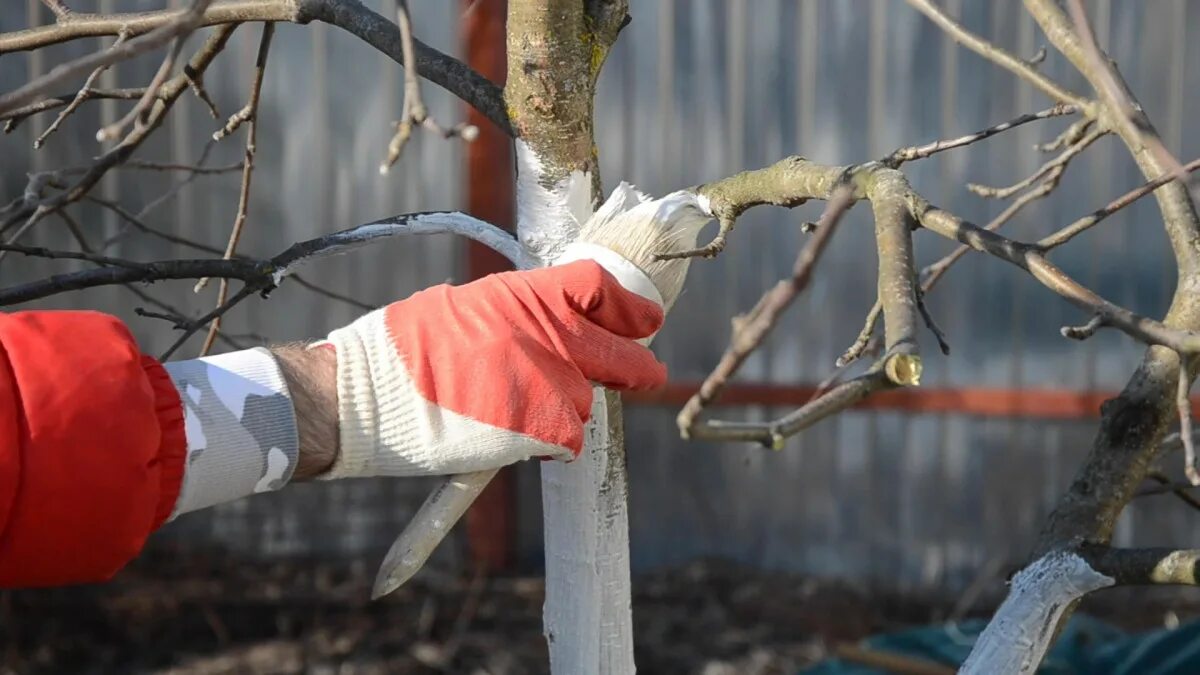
(241, 427)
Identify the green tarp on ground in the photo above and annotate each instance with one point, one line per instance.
(1087, 647)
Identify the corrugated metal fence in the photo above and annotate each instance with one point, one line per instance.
(695, 91)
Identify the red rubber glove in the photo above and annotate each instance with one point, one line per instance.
(465, 378)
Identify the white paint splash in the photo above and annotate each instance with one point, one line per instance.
(1020, 633)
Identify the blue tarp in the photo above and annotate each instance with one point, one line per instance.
(1087, 647)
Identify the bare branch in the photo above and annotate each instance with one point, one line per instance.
(1119, 101)
(179, 23)
(263, 275)
(1115, 108)
(415, 113)
(787, 183)
(142, 107)
(349, 15)
(773, 434)
(1179, 491)
(1051, 170)
(1079, 226)
(1085, 331)
(1000, 57)
(896, 285)
(1143, 566)
(902, 155)
(750, 330)
(80, 97)
(33, 207)
(14, 117)
(239, 221)
(1030, 259)
(60, 10)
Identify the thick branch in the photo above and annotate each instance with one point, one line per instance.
(349, 15)
(266, 274)
(897, 278)
(1143, 566)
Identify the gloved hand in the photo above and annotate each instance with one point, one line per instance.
(464, 378)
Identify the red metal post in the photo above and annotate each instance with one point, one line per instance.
(492, 520)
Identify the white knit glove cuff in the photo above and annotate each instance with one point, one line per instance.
(386, 428)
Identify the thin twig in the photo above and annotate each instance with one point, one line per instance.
(80, 97)
(60, 10)
(138, 113)
(943, 345)
(13, 118)
(243, 293)
(1070, 231)
(750, 330)
(414, 112)
(239, 221)
(181, 24)
(991, 52)
(915, 152)
(856, 350)
(1179, 491)
(1085, 331)
(34, 208)
(1051, 170)
(1069, 136)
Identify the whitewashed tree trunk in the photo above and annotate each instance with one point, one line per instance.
(588, 619)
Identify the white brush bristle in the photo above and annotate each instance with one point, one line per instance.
(637, 227)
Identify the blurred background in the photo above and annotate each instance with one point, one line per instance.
(904, 511)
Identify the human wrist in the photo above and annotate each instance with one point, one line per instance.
(311, 375)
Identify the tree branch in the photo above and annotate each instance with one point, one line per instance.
(415, 113)
(349, 15)
(32, 207)
(750, 330)
(1143, 566)
(239, 220)
(915, 152)
(265, 274)
(1000, 57)
(175, 24)
(80, 97)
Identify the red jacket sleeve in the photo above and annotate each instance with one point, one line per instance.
(92, 447)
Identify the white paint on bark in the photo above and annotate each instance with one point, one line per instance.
(549, 211)
(587, 616)
(1020, 633)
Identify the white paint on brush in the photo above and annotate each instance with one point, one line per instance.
(1020, 633)
(549, 211)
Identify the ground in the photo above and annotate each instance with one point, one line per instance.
(225, 616)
